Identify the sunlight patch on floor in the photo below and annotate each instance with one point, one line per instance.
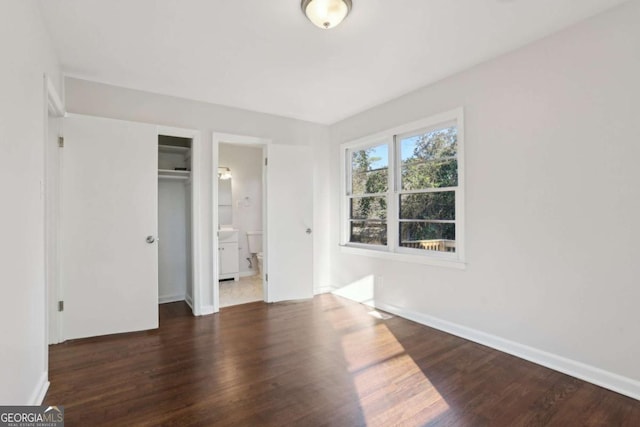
(384, 375)
(359, 354)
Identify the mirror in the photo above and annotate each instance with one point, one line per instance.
(225, 206)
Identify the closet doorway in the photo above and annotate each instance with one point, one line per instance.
(177, 217)
(108, 229)
(240, 223)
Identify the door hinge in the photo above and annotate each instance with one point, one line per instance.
(60, 305)
(266, 161)
(266, 277)
(60, 141)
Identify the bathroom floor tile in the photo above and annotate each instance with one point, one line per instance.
(247, 289)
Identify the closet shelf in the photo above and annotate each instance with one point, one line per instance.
(173, 174)
(173, 149)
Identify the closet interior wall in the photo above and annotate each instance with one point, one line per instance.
(174, 220)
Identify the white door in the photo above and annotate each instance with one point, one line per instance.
(289, 221)
(109, 272)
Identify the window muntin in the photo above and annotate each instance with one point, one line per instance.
(405, 195)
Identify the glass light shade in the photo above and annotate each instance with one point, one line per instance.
(326, 13)
(224, 173)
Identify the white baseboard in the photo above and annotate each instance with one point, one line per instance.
(609, 380)
(247, 273)
(40, 391)
(170, 298)
(323, 290)
(189, 301)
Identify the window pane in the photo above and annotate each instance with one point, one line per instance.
(430, 174)
(440, 205)
(368, 208)
(370, 232)
(428, 236)
(370, 170)
(428, 160)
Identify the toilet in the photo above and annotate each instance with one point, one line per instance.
(255, 248)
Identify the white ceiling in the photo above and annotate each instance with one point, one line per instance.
(263, 55)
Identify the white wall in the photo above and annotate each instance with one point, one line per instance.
(246, 193)
(97, 99)
(552, 203)
(26, 56)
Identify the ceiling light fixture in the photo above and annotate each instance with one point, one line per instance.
(326, 13)
(224, 173)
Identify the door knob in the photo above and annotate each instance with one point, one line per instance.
(308, 231)
(150, 239)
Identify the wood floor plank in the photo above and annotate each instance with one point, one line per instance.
(324, 361)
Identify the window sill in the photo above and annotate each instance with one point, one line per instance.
(415, 259)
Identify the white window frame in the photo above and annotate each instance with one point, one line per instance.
(348, 195)
(392, 250)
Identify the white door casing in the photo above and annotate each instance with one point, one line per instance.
(217, 139)
(289, 223)
(109, 205)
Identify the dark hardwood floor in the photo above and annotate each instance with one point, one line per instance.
(319, 362)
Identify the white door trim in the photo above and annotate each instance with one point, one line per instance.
(217, 138)
(54, 102)
(199, 306)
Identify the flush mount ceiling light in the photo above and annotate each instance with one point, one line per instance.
(326, 13)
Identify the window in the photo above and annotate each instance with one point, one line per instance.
(369, 185)
(404, 191)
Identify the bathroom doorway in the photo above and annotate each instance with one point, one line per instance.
(241, 222)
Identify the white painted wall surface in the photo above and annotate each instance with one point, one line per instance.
(246, 193)
(552, 203)
(109, 101)
(26, 56)
(174, 265)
